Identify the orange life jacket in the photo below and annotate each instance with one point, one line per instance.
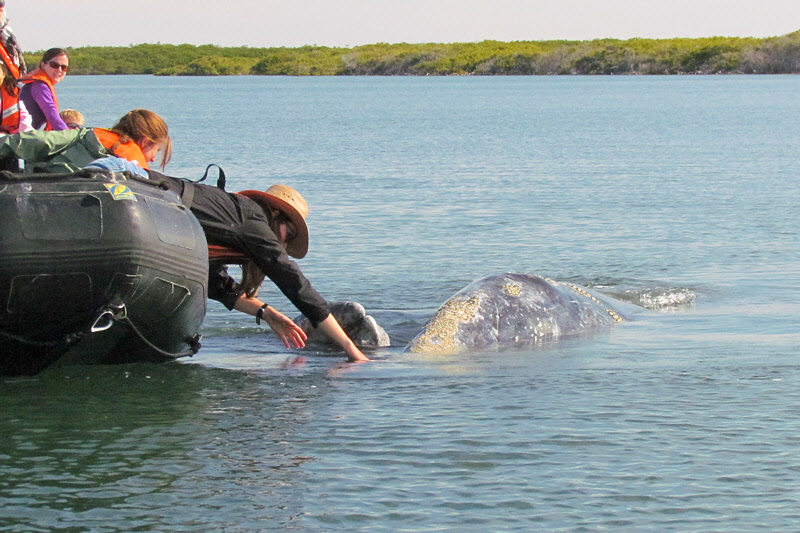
(39, 75)
(225, 255)
(129, 150)
(12, 68)
(9, 119)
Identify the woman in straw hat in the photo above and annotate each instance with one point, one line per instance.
(258, 230)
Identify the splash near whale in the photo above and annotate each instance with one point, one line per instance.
(516, 310)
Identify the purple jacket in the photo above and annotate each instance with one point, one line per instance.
(39, 101)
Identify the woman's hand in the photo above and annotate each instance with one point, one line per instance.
(333, 330)
(290, 333)
(293, 335)
(354, 355)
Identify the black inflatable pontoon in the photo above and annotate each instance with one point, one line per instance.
(97, 267)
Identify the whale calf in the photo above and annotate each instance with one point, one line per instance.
(516, 310)
(362, 329)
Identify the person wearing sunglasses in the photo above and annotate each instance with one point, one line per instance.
(259, 230)
(39, 91)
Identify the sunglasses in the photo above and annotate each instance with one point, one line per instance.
(57, 66)
(282, 219)
(74, 125)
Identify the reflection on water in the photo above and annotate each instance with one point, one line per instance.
(152, 446)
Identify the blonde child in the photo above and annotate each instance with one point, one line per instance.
(72, 118)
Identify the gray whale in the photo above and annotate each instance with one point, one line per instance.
(516, 310)
(362, 329)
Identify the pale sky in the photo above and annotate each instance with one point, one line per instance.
(42, 24)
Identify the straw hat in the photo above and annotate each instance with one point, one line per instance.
(289, 201)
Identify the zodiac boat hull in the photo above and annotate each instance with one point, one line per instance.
(97, 268)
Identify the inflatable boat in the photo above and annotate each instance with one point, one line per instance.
(97, 267)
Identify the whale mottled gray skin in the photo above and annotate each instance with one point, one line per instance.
(515, 310)
(359, 326)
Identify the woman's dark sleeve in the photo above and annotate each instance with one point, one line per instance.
(267, 253)
(222, 287)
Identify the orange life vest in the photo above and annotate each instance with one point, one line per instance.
(39, 75)
(12, 68)
(225, 255)
(9, 120)
(129, 150)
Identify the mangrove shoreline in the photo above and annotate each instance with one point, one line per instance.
(708, 55)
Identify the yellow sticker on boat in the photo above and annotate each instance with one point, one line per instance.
(120, 192)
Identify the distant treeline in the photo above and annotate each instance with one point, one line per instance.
(712, 55)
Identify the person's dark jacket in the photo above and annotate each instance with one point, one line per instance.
(239, 223)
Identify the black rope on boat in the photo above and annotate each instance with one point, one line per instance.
(161, 184)
(84, 173)
(194, 342)
(119, 313)
(106, 312)
(67, 339)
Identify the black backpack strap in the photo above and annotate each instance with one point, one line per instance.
(187, 196)
(220, 176)
(188, 193)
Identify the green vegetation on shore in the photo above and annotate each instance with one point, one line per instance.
(711, 55)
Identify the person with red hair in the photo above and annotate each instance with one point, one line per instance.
(139, 136)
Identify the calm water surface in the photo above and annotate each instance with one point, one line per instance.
(684, 420)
